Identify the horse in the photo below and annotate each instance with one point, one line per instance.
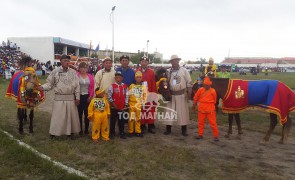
(162, 83)
(268, 95)
(22, 89)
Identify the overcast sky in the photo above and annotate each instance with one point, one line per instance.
(189, 28)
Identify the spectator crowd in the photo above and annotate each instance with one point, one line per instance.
(10, 54)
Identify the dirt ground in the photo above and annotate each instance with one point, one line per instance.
(245, 148)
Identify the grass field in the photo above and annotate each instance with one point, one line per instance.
(152, 157)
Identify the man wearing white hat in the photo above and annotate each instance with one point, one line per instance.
(180, 83)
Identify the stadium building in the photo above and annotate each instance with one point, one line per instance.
(49, 48)
(259, 60)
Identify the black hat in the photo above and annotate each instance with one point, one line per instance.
(124, 57)
(118, 73)
(64, 56)
(144, 58)
(223, 66)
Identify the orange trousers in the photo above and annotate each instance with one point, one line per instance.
(212, 121)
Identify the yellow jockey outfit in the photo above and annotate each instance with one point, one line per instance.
(211, 68)
(137, 97)
(98, 112)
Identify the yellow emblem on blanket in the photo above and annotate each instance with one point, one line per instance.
(239, 93)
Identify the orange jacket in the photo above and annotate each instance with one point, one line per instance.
(206, 100)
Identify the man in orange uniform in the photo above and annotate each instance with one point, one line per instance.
(205, 98)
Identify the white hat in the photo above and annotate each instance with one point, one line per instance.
(174, 57)
(107, 59)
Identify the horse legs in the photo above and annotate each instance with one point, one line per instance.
(238, 121)
(25, 115)
(20, 117)
(272, 125)
(286, 129)
(31, 120)
(230, 123)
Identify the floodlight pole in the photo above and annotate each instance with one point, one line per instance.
(113, 34)
(147, 48)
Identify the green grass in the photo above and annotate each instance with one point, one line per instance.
(17, 162)
(152, 157)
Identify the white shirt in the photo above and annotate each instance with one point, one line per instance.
(12, 69)
(43, 68)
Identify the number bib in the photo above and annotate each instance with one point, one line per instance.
(99, 103)
(137, 91)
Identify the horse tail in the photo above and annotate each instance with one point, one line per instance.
(287, 128)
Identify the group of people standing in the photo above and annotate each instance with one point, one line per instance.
(111, 93)
(105, 98)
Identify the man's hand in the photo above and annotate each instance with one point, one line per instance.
(89, 99)
(77, 102)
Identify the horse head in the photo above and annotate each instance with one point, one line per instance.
(164, 90)
(30, 78)
(163, 85)
(161, 73)
(219, 84)
(30, 95)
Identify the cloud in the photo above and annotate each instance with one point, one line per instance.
(191, 28)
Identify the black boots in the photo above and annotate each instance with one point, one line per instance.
(183, 130)
(150, 129)
(143, 128)
(168, 130)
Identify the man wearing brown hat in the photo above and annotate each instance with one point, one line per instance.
(106, 76)
(65, 83)
(180, 84)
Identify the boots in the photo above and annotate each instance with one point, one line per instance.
(150, 129)
(183, 130)
(143, 128)
(168, 130)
